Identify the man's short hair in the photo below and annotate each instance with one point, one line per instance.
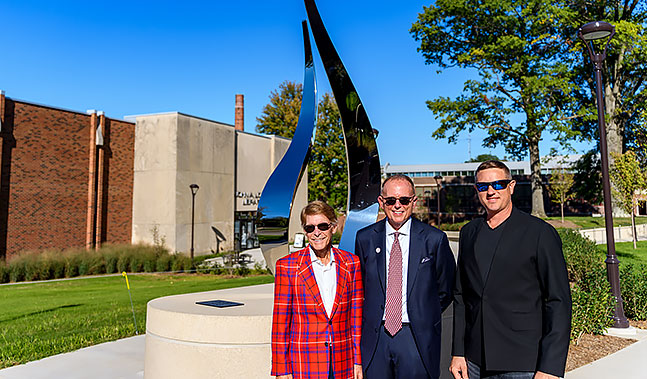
(318, 207)
(493, 164)
(399, 177)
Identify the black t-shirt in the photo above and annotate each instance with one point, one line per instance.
(485, 246)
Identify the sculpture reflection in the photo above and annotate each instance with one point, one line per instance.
(275, 204)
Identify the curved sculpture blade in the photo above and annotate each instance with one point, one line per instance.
(364, 173)
(275, 203)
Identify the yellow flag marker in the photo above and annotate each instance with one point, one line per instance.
(131, 300)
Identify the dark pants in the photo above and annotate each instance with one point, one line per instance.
(475, 372)
(396, 357)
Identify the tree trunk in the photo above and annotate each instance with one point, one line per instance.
(535, 180)
(614, 128)
(562, 205)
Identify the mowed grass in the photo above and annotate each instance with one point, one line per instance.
(42, 319)
(598, 222)
(627, 254)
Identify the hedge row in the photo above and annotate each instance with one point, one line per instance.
(592, 301)
(55, 264)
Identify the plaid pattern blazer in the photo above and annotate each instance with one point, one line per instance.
(304, 339)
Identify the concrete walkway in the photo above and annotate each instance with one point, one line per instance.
(124, 359)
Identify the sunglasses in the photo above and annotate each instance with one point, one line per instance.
(311, 228)
(496, 185)
(403, 200)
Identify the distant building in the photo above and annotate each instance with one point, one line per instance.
(458, 198)
(75, 179)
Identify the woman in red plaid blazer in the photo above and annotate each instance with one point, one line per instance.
(318, 299)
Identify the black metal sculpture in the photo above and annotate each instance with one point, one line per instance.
(364, 173)
(361, 151)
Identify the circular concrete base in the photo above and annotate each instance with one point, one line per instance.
(186, 340)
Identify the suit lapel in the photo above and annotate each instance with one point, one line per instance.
(415, 253)
(308, 277)
(469, 258)
(342, 279)
(379, 241)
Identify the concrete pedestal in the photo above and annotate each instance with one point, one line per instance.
(186, 340)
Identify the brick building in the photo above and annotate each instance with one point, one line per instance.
(60, 185)
(73, 179)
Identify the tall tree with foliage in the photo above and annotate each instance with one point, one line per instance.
(281, 115)
(560, 184)
(628, 180)
(327, 169)
(625, 72)
(523, 86)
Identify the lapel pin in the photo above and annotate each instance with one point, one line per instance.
(377, 250)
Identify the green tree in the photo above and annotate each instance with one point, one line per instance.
(483, 158)
(625, 72)
(628, 180)
(588, 178)
(327, 169)
(281, 115)
(523, 84)
(560, 184)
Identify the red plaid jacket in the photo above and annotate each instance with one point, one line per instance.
(301, 329)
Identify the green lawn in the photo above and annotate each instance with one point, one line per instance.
(627, 254)
(42, 319)
(598, 222)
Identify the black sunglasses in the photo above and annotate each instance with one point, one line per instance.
(496, 185)
(403, 200)
(311, 228)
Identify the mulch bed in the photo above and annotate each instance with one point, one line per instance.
(591, 348)
(566, 224)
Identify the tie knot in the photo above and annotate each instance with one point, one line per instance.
(396, 235)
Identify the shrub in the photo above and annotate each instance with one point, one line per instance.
(163, 263)
(591, 311)
(4, 273)
(633, 283)
(580, 253)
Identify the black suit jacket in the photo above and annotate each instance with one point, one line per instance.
(522, 309)
(430, 280)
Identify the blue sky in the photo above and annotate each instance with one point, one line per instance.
(142, 57)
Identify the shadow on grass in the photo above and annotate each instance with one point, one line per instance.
(40, 312)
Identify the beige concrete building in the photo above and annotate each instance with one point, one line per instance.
(173, 151)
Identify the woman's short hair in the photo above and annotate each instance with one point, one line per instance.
(493, 164)
(318, 207)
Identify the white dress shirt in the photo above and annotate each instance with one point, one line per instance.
(326, 276)
(403, 238)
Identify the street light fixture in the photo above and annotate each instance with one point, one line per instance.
(438, 177)
(587, 33)
(194, 189)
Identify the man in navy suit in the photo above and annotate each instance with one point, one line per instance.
(408, 270)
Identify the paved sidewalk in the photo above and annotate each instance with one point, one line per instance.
(628, 363)
(122, 359)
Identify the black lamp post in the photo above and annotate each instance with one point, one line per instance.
(438, 177)
(194, 189)
(587, 33)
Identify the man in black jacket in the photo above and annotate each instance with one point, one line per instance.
(512, 304)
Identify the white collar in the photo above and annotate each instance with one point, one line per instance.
(405, 229)
(314, 258)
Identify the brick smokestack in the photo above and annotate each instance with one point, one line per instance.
(240, 112)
